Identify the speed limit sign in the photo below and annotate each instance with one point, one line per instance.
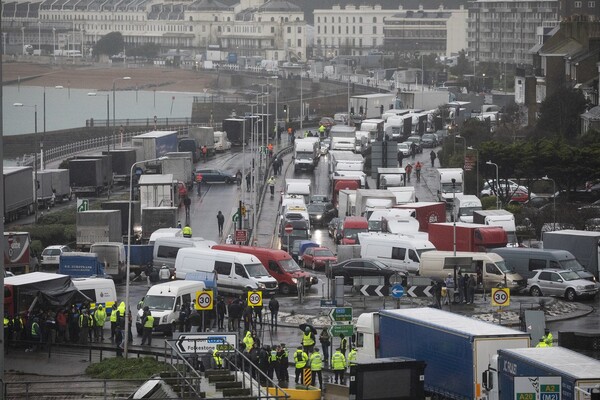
(500, 297)
(255, 299)
(204, 300)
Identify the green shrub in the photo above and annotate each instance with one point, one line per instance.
(126, 368)
(488, 202)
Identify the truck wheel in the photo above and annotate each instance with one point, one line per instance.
(535, 291)
(285, 289)
(570, 295)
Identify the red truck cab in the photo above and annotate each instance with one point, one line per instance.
(341, 183)
(469, 237)
(279, 263)
(351, 227)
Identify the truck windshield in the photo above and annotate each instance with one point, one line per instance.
(256, 270)
(159, 302)
(502, 266)
(468, 211)
(573, 265)
(353, 233)
(375, 226)
(421, 251)
(289, 265)
(304, 156)
(447, 187)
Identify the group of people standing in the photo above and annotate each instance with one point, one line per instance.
(445, 292)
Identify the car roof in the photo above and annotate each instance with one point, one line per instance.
(56, 246)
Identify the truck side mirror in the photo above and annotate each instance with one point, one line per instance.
(487, 378)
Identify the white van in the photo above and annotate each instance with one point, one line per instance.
(487, 267)
(101, 291)
(164, 301)
(236, 272)
(164, 232)
(166, 249)
(377, 216)
(397, 252)
(463, 207)
(112, 255)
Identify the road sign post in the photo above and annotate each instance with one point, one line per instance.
(193, 343)
(255, 298)
(500, 297)
(83, 205)
(204, 300)
(241, 236)
(341, 314)
(346, 330)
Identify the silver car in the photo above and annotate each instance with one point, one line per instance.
(560, 282)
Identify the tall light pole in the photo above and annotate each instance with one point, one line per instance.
(23, 40)
(276, 106)
(546, 178)
(3, 43)
(454, 209)
(476, 167)
(348, 60)
(93, 94)
(497, 184)
(40, 37)
(128, 269)
(125, 78)
(34, 157)
(302, 102)
(54, 43)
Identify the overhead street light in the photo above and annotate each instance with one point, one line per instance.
(497, 184)
(546, 178)
(128, 269)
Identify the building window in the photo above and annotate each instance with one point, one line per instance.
(299, 29)
(374, 30)
(299, 42)
(273, 29)
(591, 4)
(360, 30)
(577, 4)
(289, 29)
(374, 20)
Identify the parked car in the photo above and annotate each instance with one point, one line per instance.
(332, 226)
(318, 257)
(441, 135)
(51, 255)
(489, 187)
(404, 147)
(559, 282)
(417, 141)
(578, 196)
(429, 140)
(321, 213)
(361, 267)
(319, 198)
(215, 176)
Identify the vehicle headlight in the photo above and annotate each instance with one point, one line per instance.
(319, 216)
(261, 285)
(579, 287)
(294, 281)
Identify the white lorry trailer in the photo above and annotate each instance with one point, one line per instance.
(306, 154)
(450, 183)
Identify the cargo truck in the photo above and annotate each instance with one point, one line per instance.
(204, 136)
(372, 105)
(346, 203)
(80, 265)
(181, 166)
(44, 190)
(106, 162)
(187, 144)
(123, 206)
(342, 183)
(98, 226)
(43, 289)
(541, 373)
(306, 154)
(369, 200)
(155, 144)
(447, 188)
(501, 218)
(426, 212)
(157, 191)
(221, 141)
(17, 252)
(345, 161)
(584, 245)
(301, 187)
(238, 130)
(342, 138)
(18, 192)
(59, 184)
(426, 100)
(86, 176)
(457, 349)
(122, 159)
(112, 256)
(154, 218)
(469, 237)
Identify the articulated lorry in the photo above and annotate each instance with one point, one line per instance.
(53, 181)
(106, 166)
(238, 130)
(18, 192)
(342, 137)
(369, 200)
(204, 136)
(469, 237)
(17, 252)
(502, 218)
(98, 226)
(181, 166)
(123, 206)
(447, 188)
(122, 160)
(152, 145)
(457, 349)
(342, 183)
(86, 176)
(306, 154)
(584, 245)
(426, 212)
(154, 218)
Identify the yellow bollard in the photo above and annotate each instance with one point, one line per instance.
(307, 376)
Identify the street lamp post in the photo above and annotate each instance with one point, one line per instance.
(497, 184)
(34, 156)
(40, 37)
(23, 40)
(454, 216)
(348, 60)
(54, 43)
(276, 115)
(476, 167)
(301, 103)
(125, 78)
(546, 178)
(128, 269)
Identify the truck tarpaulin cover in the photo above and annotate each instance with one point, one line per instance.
(56, 292)
(491, 237)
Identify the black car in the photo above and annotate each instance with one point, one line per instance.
(321, 213)
(361, 267)
(215, 176)
(332, 226)
(429, 140)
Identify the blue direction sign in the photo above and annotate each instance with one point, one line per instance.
(397, 291)
(325, 303)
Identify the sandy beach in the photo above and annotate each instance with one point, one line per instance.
(101, 77)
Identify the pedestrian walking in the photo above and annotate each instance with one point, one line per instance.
(300, 361)
(400, 158)
(437, 294)
(308, 339)
(338, 364)
(229, 240)
(99, 319)
(271, 183)
(274, 309)
(316, 365)
(275, 166)
(283, 358)
(204, 152)
(325, 340)
(433, 156)
(148, 325)
(199, 184)
(413, 150)
(220, 222)
(408, 169)
(460, 285)
(270, 149)
(418, 167)
(187, 202)
(248, 181)
(471, 289)
(234, 312)
(221, 309)
(449, 282)
(238, 177)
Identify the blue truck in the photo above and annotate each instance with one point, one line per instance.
(457, 349)
(151, 145)
(80, 265)
(551, 373)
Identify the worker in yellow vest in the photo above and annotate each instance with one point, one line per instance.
(338, 364)
(99, 319)
(352, 357)
(541, 343)
(148, 325)
(248, 341)
(316, 365)
(217, 358)
(300, 360)
(308, 340)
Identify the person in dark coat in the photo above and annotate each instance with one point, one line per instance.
(400, 158)
(247, 317)
(220, 222)
(221, 308)
(235, 314)
(437, 294)
(274, 309)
